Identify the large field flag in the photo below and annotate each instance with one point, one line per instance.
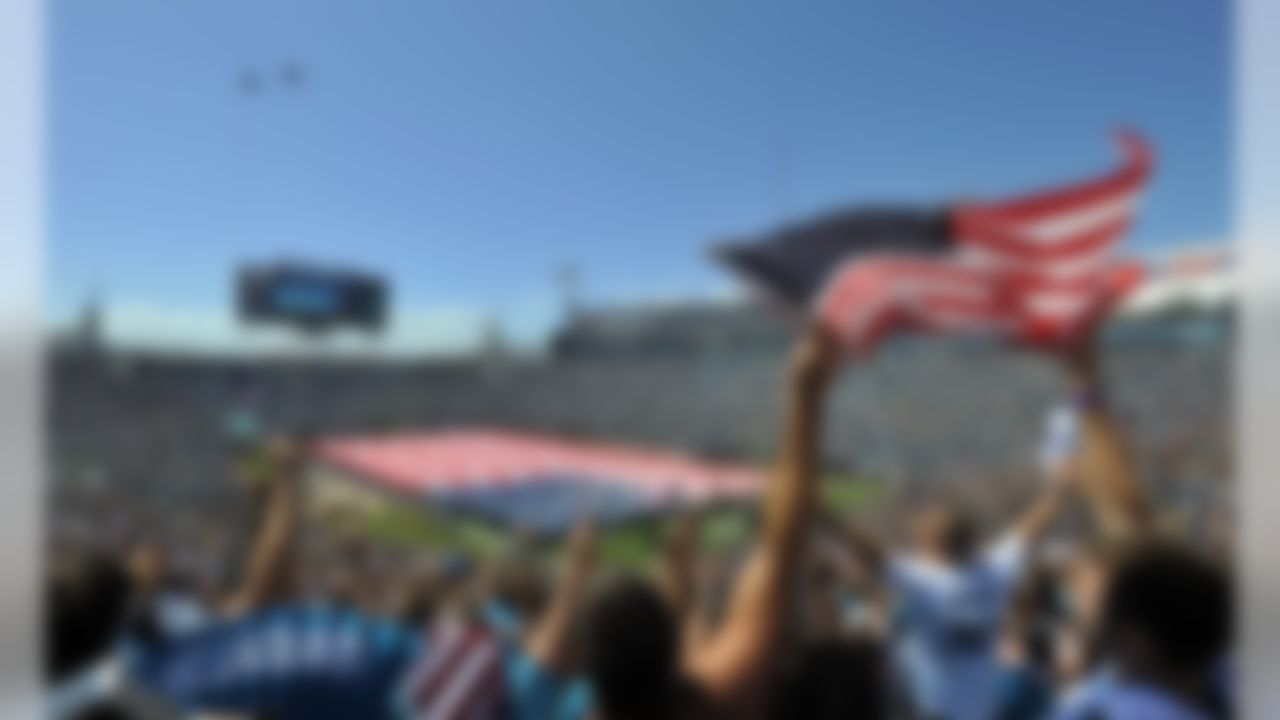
(539, 483)
(1038, 268)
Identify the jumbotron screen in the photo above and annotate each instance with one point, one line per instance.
(312, 298)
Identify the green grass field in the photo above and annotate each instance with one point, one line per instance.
(630, 545)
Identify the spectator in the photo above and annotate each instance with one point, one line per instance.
(951, 597)
(1163, 614)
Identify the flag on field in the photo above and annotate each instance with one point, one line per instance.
(539, 483)
(1039, 268)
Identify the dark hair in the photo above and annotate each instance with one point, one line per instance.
(422, 601)
(836, 678)
(1033, 615)
(961, 535)
(959, 528)
(105, 711)
(632, 643)
(1179, 601)
(87, 602)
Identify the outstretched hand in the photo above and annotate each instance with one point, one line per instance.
(549, 640)
(681, 541)
(680, 560)
(283, 457)
(1105, 468)
(816, 358)
(734, 662)
(582, 543)
(1078, 356)
(275, 462)
(268, 574)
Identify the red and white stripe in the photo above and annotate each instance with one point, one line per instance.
(1039, 267)
(458, 678)
(476, 459)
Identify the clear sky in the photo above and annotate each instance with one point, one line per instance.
(467, 148)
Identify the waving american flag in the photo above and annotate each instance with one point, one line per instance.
(1038, 268)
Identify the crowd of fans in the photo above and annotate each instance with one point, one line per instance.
(160, 422)
(995, 584)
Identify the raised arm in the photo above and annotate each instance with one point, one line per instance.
(549, 640)
(731, 664)
(1035, 520)
(681, 573)
(865, 553)
(268, 568)
(1106, 467)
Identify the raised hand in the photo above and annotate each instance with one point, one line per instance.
(815, 359)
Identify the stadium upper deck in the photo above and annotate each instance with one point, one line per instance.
(909, 414)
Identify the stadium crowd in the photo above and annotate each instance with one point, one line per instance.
(965, 600)
(158, 423)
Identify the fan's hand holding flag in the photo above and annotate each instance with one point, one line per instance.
(1108, 471)
(1039, 268)
(737, 664)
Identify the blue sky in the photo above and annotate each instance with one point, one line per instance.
(468, 149)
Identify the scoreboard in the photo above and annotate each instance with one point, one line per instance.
(311, 298)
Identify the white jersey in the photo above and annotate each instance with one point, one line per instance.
(949, 624)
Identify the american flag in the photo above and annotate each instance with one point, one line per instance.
(535, 481)
(459, 677)
(1039, 267)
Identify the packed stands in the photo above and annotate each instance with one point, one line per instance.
(159, 422)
